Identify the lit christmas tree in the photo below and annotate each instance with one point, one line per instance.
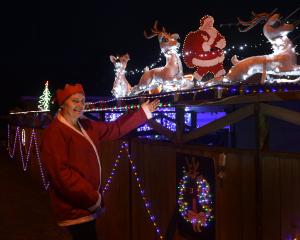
(44, 100)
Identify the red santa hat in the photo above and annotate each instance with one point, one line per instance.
(63, 94)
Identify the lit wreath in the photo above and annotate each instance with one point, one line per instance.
(203, 198)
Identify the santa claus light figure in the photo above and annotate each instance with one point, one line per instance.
(203, 49)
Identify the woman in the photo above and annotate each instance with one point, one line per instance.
(70, 153)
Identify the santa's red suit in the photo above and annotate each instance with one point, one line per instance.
(203, 49)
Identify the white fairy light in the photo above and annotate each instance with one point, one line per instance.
(44, 100)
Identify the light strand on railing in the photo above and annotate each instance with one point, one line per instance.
(11, 153)
(124, 108)
(142, 192)
(46, 183)
(232, 91)
(113, 171)
(25, 159)
(26, 112)
(25, 162)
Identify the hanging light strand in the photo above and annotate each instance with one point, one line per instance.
(142, 192)
(25, 159)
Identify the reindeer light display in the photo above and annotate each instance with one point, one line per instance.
(169, 77)
(282, 60)
(121, 87)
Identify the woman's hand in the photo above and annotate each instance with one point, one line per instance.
(151, 106)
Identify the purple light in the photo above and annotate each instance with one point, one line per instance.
(207, 117)
(46, 183)
(25, 159)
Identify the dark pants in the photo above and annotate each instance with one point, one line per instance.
(83, 231)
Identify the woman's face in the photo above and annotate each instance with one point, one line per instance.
(73, 107)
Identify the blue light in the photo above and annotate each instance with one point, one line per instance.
(207, 117)
(202, 119)
(112, 116)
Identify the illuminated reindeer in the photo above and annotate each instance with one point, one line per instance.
(172, 71)
(283, 59)
(121, 87)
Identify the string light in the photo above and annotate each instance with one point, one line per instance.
(112, 116)
(200, 93)
(121, 87)
(142, 192)
(156, 79)
(203, 197)
(282, 58)
(113, 171)
(44, 100)
(25, 159)
(23, 137)
(124, 145)
(147, 96)
(11, 152)
(46, 182)
(124, 149)
(26, 112)
(124, 108)
(167, 112)
(206, 93)
(152, 65)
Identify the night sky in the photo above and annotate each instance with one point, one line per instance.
(70, 41)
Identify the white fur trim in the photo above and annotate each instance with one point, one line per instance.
(77, 221)
(96, 205)
(95, 150)
(83, 133)
(206, 46)
(61, 118)
(208, 63)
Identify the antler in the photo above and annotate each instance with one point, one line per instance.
(256, 20)
(155, 31)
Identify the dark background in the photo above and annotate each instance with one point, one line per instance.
(70, 41)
